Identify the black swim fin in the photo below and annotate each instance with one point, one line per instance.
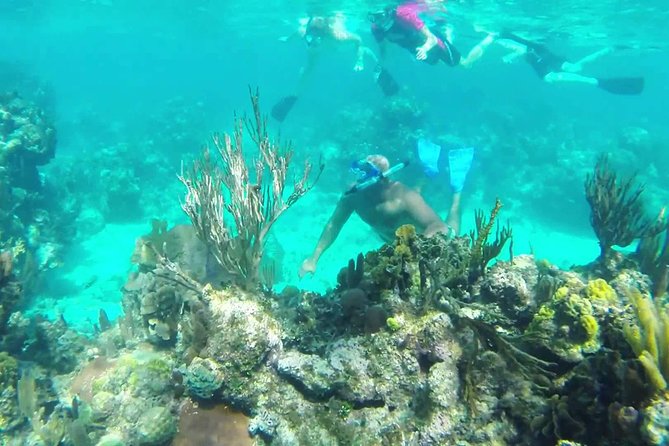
(387, 83)
(283, 107)
(622, 85)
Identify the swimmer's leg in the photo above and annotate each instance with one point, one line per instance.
(454, 218)
(477, 51)
(576, 67)
(623, 85)
(562, 76)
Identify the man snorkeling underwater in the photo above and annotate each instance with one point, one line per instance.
(385, 204)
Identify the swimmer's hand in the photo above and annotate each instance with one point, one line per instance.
(359, 60)
(308, 267)
(421, 53)
(284, 38)
(511, 58)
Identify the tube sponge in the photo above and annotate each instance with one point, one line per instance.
(649, 339)
(652, 371)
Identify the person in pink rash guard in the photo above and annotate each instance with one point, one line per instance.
(403, 26)
(408, 13)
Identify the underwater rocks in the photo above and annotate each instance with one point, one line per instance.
(313, 374)
(243, 336)
(9, 375)
(566, 324)
(211, 425)
(204, 377)
(376, 379)
(162, 303)
(133, 397)
(513, 287)
(11, 290)
(524, 354)
(656, 423)
(156, 426)
(32, 221)
(27, 140)
(157, 303)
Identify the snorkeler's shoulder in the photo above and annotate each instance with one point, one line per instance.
(400, 190)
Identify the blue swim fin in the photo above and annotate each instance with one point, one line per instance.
(459, 162)
(429, 152)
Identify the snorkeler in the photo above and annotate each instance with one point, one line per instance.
(316, 32)
(403, 25)
(553, 68)
(385, 204)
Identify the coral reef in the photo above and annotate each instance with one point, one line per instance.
(421, 342)
(11, 290)
(28, 218)
(27, 140)
(9, 375)
(410, 347)
(617, 210)
(134, 394)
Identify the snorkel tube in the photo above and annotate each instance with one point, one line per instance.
(375, 177)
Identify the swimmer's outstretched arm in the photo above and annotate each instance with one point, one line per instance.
(299, 32)
(332, 229)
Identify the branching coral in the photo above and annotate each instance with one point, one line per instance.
(482, 251)
(650, 338)
(617, 212)
(254, 206)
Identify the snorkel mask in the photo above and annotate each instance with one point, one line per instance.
(314, 30)
(364, 169)
(369, 174)
(383, 19)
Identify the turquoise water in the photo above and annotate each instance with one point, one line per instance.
(135, 87)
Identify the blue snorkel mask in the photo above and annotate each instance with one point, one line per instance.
(369, 174)
(364, 170)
